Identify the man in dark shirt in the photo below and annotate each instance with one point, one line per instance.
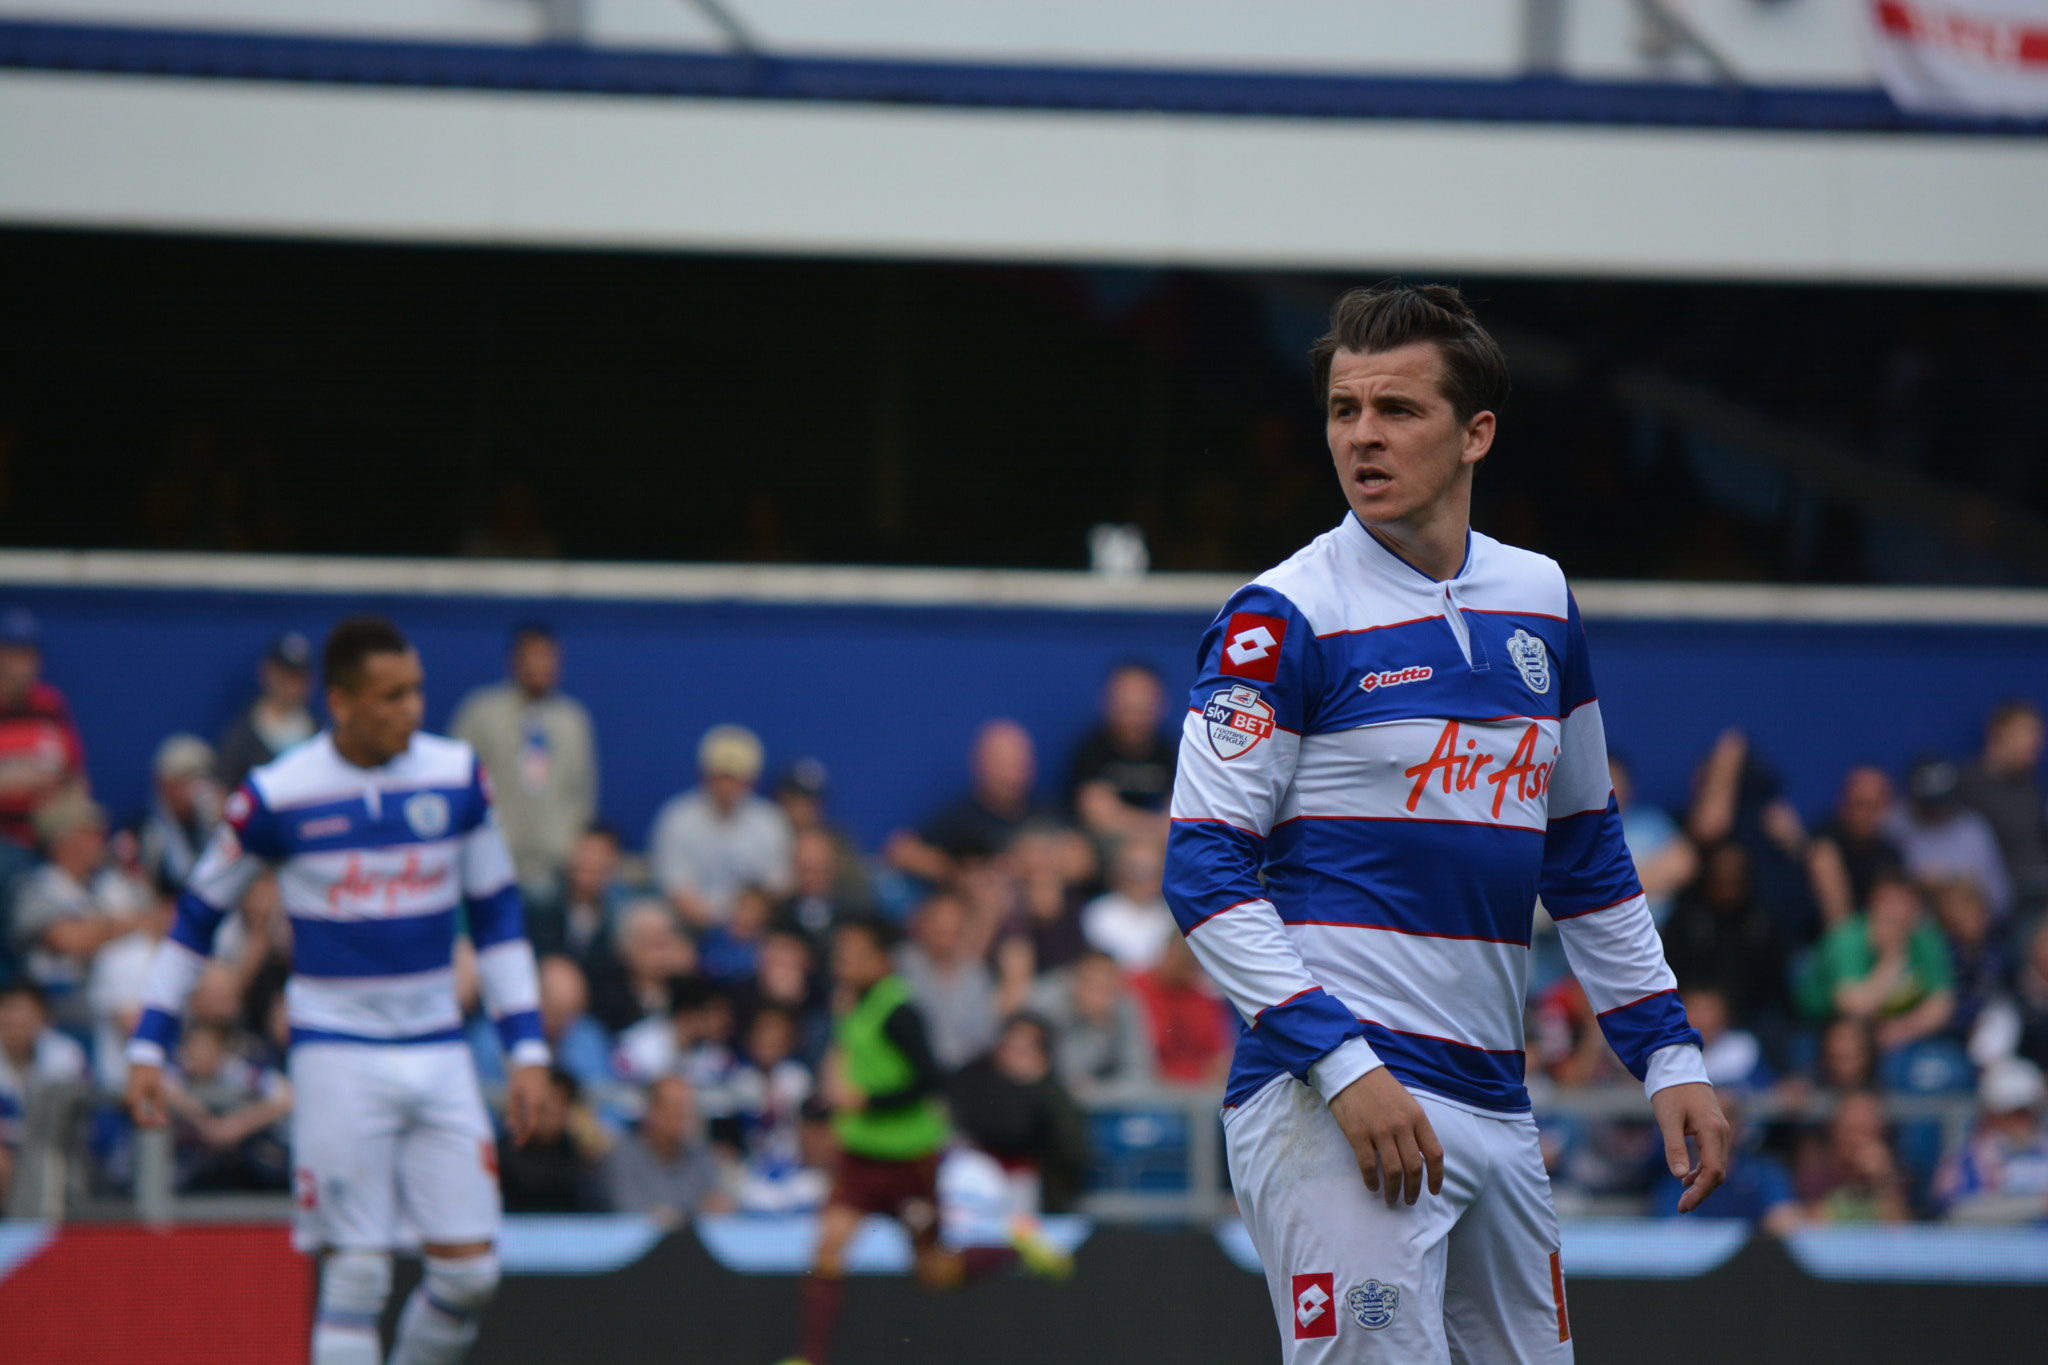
(278, 716)
(2004, 787)
(1851, 851)
(1122, 773)
(985, 821)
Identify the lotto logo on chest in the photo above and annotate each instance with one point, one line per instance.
(1315, 1309)
(1238, 719)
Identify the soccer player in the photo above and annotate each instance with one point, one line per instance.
(378, 833)
(1393, 750)
(883, 1085)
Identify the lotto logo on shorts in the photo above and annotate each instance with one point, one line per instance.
(1315, 1313)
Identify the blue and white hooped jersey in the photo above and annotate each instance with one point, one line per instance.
(1379, 775)
(372, 865)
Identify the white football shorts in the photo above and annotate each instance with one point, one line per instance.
(1469, 1275)
(391, 1147)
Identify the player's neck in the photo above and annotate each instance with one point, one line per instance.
(354, 751)
(1436, 547)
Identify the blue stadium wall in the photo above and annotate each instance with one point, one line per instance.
(889, 696)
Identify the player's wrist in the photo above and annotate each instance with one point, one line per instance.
(1678, 1064)
(1342, 1066)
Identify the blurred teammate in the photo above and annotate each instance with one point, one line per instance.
(379, 834)
(884, 1087)
(1393, 749)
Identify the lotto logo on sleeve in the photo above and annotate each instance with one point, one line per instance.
(1314, 1313)
(1251, 646)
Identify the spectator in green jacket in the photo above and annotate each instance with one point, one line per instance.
(1888, 967)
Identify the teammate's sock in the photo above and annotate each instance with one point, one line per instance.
(353, 1287)
(441, 1318)
(823, 1294)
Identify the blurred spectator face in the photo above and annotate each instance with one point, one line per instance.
(1725, 883)
(1132, 704)
(79, 844)
(216, 999)
(1857, 1128)
(771, 1038)
(938, 926)
(729, 761)
(1894, 914)
(184, 779)
(21, 1019)
(284, 687)
(1964, 916)
(816, 860)
(1004, 766)
(782, 971)
(201, 1051)
(1618, 778)
(671, 1113)
(858, 959)
(1706, 1009)
(1020, 1054)
(749, 914)
(1865, 801)
(650, 947)
(564, 995)
(1097, 986)
(536, 664)
(551, 1110)
(1139, 866)
(21, 668)
(2013, 742)
(801, 793)
(593, 865)
(1846, 1055)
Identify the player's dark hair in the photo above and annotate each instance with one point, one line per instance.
(354, 640)
(877, 930)
(1391, 315)
(532, 630)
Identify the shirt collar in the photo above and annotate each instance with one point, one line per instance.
(1391, 564)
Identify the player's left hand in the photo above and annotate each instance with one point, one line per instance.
(523, 1096)
(1691, 1111)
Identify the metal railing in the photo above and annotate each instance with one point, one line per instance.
(1162, 1161)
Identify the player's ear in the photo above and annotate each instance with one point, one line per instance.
(1479, 430)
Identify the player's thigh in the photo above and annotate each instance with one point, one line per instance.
(1504, 1289)
(1351, 1279)
(448, 1155)
(346, 1117)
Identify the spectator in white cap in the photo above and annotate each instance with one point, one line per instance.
(183, 814)
(74, 905)
(720, 838)
(2000, 1174)
(278, 717)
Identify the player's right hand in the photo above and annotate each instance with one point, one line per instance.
(1390, 1135)
(145, 1096)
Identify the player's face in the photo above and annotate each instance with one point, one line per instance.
(375, 720)
(1400, 450)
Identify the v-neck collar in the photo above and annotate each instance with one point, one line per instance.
(1387, 562)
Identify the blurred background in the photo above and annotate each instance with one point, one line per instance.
(818, 434)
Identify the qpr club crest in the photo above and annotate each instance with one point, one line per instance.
(1531, 660)
(1238, 718)
(427, 813)
(1372, 1304)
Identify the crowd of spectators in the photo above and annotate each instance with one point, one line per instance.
(1897, 949)
(1852, 982)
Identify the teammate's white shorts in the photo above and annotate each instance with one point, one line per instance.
(391, 1147)
(1470, 1275)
